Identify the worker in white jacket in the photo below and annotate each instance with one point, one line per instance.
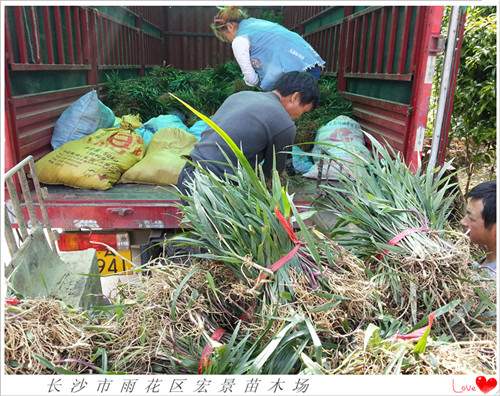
(264, 50)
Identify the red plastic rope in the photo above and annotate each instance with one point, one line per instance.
(208, 349)
(417, 333)
(394, 241)
(286, 225)
(12, 301)
(287, 257)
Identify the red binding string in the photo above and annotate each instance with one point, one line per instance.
(287, 257)
(208, 349)
(394, 241)
(12, 301)
(217, 335)
(286, 225)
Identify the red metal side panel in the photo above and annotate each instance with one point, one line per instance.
(124, 206)
(190, 44)
(386, 121)
(380, 44)
(10, 137)
(153, 15)
(21, 36)
(69, 34)
(400, 125)
(9, 150)
(48, 28)
(392, 40)
(422, 83)
(35, 117)
(76, 22)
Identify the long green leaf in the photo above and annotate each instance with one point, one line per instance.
(178, 290)
(312, 368)
(262, 358)
(397, 361)
(316, 341)
(422, 342)
(50, 366)
(438, 312)
(372, 336)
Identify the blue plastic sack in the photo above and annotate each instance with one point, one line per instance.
(83, 117)
(148, 129)
(164, 121)
(301, 163)
(117, 123)
(146, 135)
(198, 128)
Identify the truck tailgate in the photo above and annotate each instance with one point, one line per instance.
(124, 206)
(131, 206)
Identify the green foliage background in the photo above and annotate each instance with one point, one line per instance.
(473, 120)
(474, 114)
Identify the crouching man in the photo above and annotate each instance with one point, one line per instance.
(261, 123)
(481, 224)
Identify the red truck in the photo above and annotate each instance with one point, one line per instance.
(383, 58)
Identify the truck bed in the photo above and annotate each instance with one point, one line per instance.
(132, 206)
(119, 192)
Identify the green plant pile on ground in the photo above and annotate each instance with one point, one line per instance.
(176, 310)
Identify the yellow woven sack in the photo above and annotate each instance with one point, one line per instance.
(163, 160)
(96, 161)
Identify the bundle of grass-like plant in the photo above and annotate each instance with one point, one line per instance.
(385, 201)
(165, 320)
(345, 299)
(414, 287)
(370, 354)
(159, 320)
(238, 221)
(229, 297)
(243, 224)
(206, 90)
(396, 220)
(287, 345)
(43, 333)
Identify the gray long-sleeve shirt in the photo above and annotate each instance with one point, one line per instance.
(257, 122)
